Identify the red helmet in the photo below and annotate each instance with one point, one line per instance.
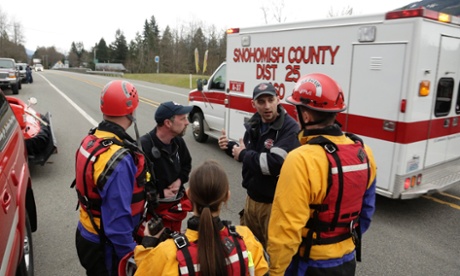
(318, 92)
(119, 98)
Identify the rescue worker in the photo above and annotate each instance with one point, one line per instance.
(110, 180)
(29, 74)
(210, 246)
(172, 162)
(325, 196)
(270, 134)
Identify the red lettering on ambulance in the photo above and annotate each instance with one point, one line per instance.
(259, 55)
(312, 54)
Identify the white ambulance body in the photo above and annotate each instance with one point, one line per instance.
(400, 73)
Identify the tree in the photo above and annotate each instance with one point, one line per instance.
(345, 11)
(274, 11)
(198, 42)
(215, 56)
(79, 50)
(18, 37)
(102, 51)
(11, 40)
(119, 48)
(150, 45)
(167, 51)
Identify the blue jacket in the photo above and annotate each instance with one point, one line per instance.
(265, 153)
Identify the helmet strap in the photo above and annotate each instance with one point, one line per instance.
(136, 130)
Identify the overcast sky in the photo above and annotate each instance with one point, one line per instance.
(48, 23)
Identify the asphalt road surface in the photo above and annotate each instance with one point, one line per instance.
(413, 237)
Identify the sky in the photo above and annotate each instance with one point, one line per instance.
(47, 23)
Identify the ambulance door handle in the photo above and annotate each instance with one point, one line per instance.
(446, 122)
(389, 126)
(455, 121)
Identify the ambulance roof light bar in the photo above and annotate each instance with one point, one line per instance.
(425, 13)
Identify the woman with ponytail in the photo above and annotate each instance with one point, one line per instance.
(210, 246)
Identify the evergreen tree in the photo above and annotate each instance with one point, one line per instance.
(102, 52)
(119, 48)
(167, 52)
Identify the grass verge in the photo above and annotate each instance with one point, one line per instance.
(178, 80)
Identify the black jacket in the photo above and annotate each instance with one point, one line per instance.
(265, 153)
(168, 164)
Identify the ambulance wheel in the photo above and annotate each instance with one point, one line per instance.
(198, 128)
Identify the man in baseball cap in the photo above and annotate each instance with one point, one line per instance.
(167, 110)
(264, 88)
(172, 162)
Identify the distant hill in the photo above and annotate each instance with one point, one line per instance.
(446, 6)
(30, 53)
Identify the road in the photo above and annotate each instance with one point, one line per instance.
(413, 237)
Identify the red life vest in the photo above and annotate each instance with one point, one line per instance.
(336, 218)
(187, 253)
(89, 199)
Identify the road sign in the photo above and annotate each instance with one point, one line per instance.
(157, 59)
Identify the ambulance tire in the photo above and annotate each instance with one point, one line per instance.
(198, 128)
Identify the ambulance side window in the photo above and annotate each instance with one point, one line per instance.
(218, 80)
(444, 96)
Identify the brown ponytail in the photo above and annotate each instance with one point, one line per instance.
(208, 189)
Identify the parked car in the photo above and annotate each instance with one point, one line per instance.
(9, 75)
(22, 71)
(18, 216)
(38, 67)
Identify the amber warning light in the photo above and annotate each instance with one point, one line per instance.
(233, 31)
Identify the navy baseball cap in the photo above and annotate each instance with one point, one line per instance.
(167, 110)
(264, 89)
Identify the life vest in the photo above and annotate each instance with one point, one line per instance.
(336, 218)
(187, 253)
(87, 155)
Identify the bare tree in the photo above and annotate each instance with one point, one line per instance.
(274, 11)
(18, 36)
(345, 11)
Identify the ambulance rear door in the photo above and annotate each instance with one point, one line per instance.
(444, 137)
(375, 91)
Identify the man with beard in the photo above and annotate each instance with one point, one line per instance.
(171, 162)
(270, 134)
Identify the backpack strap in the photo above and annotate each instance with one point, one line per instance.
(182, 244)
(235, 236)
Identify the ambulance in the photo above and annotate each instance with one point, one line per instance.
(400, 72)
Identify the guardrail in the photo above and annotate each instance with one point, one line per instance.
(86, 71)
(106, 73)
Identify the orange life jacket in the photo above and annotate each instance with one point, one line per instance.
(336, 218)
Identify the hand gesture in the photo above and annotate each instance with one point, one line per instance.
(223, 140)
(237, 149)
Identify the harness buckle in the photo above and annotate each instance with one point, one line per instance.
(107, 143)
(353, 233)
(180, 241)
(86, 202)
(330, 148)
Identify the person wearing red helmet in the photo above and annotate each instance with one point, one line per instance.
(325, 197)
(110, 179)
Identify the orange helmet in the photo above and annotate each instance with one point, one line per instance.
(119, 98)
(318, 92)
